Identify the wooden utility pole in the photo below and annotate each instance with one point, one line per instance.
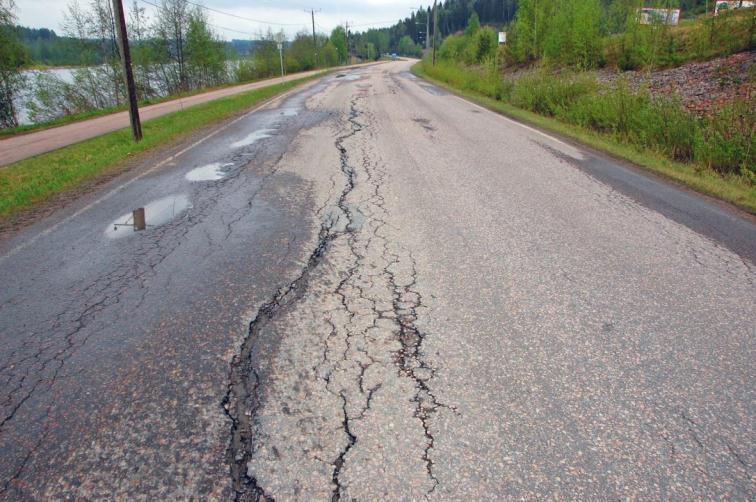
(427, 29)
(435, 30)
(346, 37)
(123, 46)
(314, 38)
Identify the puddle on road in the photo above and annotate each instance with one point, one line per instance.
(253, 137)
(157, 212)
(289, 112)
(351, 76)
(210, 172)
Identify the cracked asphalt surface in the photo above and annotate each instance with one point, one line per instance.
(380, 291)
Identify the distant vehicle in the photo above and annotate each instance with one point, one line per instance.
(393, 56)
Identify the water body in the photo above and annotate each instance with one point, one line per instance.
(22, 109)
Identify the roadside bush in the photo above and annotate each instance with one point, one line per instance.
(472, 48)
(543, 93)
(453, 48)
(727, 143)
(485, 43)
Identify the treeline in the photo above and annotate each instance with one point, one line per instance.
(45, 47)
(592, 33)
(453, 16)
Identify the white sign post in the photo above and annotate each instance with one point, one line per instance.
(502, 37)
(280, 55)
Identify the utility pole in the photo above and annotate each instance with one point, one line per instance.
(346, 36)
(314, 38)
(427, 29)
(435, 30)
(123, 46)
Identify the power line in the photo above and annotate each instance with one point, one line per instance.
(374, 24)
(240, 17)
(209, 24)
(243, 18)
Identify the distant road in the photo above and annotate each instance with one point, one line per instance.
(369, 288)
(28, 145)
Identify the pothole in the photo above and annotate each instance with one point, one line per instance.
(253, 137)
(210, 172)
(157, 212)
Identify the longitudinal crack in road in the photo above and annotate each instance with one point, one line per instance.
(362, 287)
(242, 400)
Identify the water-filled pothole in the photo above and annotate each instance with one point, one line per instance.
(210, 172)
(157, 212)
(253, 137)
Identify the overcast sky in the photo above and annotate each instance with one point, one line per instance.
(360, 13)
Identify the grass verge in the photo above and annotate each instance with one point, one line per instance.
(729, 189)
(36, 179)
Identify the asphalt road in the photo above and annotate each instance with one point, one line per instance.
(371, 288)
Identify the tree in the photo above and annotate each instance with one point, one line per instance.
(142, 54)
(205, 54)
(170, 34)
(12, 57)
(300, 54)
(338, 39)
(408, 48)
(473, 25)
(572, 36)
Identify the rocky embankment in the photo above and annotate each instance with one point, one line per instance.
(701, 86)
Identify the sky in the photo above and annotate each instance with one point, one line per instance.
(291, 15)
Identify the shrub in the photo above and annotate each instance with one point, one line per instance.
(727, 142)
(549, 95)
(453, 48)
(485, 43)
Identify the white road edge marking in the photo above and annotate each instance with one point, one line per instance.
(141, 175)
(512, 121)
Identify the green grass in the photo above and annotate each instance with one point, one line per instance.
(36, 179)
(737, 190)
